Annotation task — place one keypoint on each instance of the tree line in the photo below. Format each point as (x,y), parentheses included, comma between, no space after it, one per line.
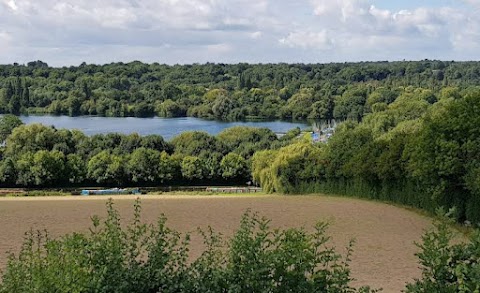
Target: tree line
(40,156)
(419,150)
(221,91)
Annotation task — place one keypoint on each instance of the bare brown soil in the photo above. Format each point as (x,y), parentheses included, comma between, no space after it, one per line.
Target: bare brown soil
(385,235)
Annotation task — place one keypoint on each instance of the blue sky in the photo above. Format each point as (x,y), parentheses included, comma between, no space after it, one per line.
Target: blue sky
(68,32)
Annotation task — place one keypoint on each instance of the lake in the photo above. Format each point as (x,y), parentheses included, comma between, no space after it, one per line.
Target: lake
(166,127)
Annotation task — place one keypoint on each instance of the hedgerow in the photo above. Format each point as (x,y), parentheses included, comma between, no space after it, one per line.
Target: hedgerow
(154,258)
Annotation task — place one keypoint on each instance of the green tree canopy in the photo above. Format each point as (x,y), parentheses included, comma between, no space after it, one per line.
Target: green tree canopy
(8,122)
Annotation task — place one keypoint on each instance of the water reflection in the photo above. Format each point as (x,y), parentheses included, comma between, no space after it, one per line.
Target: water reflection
(166,127)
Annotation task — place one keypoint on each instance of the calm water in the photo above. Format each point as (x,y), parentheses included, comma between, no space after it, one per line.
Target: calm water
(166,127)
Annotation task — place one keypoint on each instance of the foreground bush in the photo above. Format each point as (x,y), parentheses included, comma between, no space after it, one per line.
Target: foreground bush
(448,267)
(154,258)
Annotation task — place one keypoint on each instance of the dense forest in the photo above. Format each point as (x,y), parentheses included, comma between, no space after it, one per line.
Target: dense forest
(39,156)
(411,134)
(419,150)
(411,151)
(223,91)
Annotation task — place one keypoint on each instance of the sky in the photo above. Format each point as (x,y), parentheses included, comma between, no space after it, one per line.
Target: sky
(69,32)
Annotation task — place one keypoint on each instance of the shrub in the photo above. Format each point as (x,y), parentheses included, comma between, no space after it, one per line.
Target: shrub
(154,258)
(448,267)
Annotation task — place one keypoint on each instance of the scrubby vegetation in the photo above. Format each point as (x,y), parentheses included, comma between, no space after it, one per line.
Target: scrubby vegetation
(154,258)
(144,258)
(447,267)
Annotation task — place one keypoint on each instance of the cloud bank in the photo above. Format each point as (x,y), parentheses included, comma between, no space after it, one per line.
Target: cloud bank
(66,32)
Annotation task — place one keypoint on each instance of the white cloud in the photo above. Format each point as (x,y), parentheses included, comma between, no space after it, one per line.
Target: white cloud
(5,40)
(256,35)
(358,28)
(475,3)
(341,9)
(359,16)
(11,4)
(219,48)
(184,14)
(71,31)
(115,17)
(306,40)
(66,13)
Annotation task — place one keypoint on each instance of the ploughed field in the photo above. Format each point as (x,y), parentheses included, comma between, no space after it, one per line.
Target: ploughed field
(385,235)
